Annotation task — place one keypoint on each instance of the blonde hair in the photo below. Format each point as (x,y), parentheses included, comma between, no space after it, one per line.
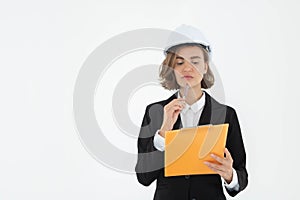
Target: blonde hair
(166,71)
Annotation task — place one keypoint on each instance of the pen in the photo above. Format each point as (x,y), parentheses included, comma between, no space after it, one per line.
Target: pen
(186,90)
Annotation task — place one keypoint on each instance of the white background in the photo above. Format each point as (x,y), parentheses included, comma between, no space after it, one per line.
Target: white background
(44,43)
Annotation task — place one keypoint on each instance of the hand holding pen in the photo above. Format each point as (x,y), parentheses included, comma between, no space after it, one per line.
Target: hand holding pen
(171,112)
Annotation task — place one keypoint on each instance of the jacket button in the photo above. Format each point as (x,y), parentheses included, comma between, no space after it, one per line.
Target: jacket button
(187,177)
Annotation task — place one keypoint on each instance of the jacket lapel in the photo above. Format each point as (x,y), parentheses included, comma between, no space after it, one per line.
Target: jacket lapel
(177,124)
(205,117)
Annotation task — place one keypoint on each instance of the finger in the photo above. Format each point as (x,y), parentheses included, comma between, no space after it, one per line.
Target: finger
(220,171)
(182,103)
(176,113)
(179,102)
(174,108)
(215,167)
(218,159)
(228,155)
(227,163)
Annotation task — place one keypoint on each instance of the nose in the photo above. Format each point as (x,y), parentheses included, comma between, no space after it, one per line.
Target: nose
(188,66)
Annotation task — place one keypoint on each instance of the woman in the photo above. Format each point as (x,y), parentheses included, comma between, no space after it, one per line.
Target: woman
(186,68)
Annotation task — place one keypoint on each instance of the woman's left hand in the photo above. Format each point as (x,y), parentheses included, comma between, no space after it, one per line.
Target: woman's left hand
(224,166)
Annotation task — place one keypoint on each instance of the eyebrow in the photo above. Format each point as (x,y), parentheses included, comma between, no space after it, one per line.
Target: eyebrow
(193,57)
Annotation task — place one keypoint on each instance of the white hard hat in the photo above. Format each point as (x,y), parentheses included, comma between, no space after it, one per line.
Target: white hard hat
(185,34)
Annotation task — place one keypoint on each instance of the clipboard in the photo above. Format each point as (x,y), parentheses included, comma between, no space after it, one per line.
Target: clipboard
(187,149)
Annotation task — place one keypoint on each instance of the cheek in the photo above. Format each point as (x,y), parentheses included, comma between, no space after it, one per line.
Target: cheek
(178,78)
(177,75)
(201,69)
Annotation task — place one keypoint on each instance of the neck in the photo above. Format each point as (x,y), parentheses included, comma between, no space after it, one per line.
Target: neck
(193,95)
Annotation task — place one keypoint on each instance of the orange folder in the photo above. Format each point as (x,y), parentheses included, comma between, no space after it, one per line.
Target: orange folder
(187,149)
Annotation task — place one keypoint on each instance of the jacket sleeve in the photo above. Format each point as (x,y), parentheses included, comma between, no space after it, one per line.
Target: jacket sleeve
(236,148)
(150,161)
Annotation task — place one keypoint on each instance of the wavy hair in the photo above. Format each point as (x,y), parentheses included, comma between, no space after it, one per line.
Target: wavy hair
(166,71)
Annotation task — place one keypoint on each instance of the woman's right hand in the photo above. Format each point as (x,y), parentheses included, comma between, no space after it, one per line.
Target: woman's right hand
(171,112)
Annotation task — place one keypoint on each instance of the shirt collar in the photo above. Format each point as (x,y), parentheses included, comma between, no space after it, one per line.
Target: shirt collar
(195,107)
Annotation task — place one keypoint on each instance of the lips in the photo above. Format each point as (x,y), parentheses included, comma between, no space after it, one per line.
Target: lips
(187,77)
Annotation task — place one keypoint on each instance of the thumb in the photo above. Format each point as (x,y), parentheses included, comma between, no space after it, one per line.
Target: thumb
(227,153)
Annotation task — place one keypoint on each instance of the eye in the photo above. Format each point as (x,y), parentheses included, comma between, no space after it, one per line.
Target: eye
(179,63)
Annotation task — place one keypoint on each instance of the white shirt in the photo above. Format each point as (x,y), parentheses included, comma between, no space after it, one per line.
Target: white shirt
(190,116)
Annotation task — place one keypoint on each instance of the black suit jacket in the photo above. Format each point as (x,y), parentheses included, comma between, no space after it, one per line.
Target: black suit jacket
(150,164)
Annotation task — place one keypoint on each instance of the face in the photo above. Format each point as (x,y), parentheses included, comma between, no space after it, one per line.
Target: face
(190,66)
